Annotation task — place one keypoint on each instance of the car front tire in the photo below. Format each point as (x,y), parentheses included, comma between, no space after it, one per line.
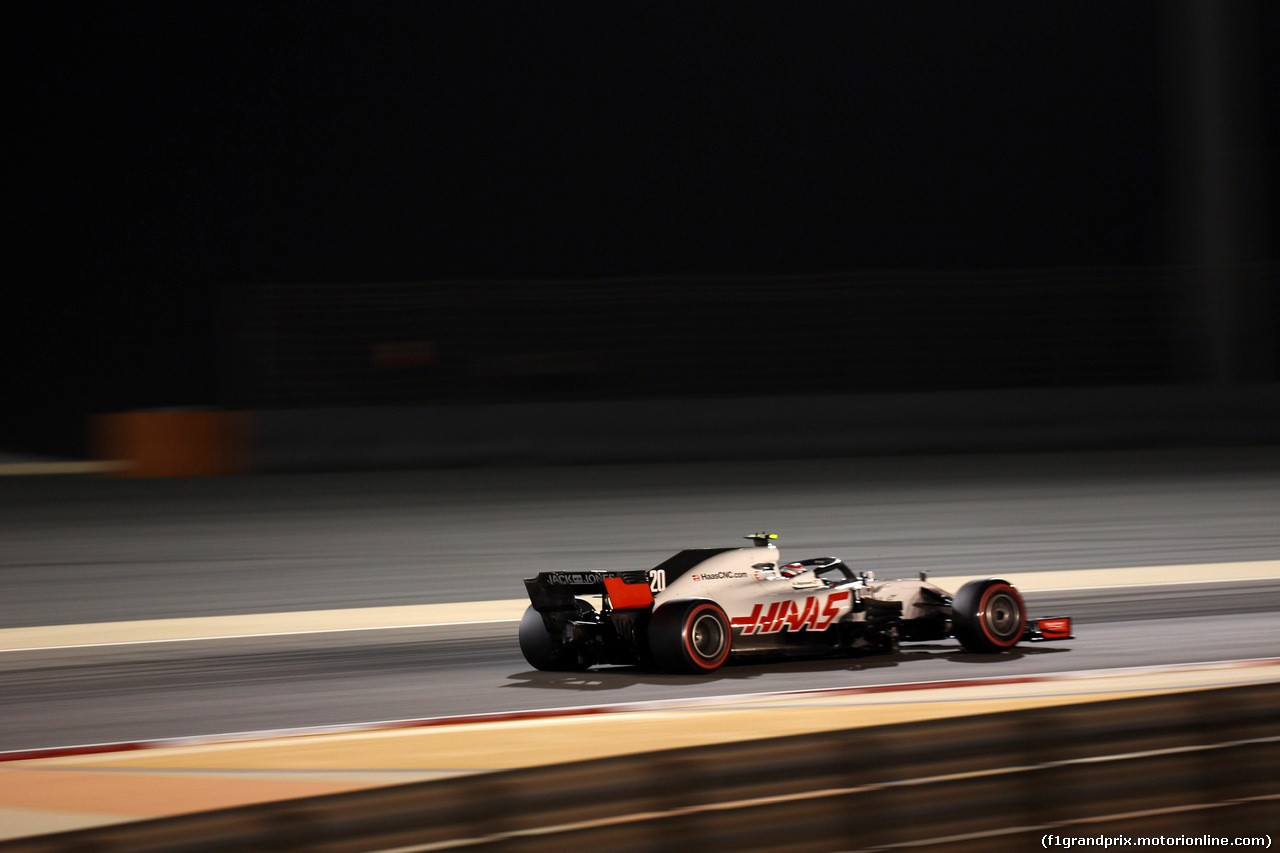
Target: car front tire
(988,616)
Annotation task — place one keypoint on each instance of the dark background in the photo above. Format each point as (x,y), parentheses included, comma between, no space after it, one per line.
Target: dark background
(171,154)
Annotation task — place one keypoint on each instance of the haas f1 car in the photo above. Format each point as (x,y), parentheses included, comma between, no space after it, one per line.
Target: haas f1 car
(705,606)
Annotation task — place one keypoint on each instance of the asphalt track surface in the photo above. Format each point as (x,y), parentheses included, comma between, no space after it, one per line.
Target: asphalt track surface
(75,550)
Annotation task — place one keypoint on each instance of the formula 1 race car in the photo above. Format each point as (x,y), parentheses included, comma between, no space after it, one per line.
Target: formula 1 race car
(705,606)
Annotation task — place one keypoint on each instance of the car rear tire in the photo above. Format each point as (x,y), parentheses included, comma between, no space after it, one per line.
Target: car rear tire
(542,650)
(689,637)
(988,616)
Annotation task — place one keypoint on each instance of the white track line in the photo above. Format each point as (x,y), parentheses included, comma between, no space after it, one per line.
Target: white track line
(36,469)
(1155,583)
(210,628)
(257,636)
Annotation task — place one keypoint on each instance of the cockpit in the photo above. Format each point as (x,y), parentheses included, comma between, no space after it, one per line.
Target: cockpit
(826,571)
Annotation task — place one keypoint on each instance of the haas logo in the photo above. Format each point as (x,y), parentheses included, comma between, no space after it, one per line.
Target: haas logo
(813,614)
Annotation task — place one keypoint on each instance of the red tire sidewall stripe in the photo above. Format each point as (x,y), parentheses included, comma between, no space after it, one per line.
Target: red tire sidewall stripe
(687,636)
(982,614)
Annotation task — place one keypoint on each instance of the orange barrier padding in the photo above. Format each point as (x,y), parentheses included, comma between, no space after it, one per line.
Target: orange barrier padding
(172,443)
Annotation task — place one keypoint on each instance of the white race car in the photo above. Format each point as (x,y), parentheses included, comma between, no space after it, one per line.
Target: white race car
(705,606)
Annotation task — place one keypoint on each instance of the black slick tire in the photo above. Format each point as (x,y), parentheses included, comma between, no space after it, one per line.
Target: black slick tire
(543,651)
(988,616)
(689,637)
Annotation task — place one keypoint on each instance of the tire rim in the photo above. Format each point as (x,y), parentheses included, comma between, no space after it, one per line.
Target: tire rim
(1002,615)
(706,636)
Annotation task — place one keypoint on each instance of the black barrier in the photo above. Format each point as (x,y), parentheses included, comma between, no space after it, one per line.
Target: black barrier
(424,374)
(1186,764)
(311,345)
(762,427)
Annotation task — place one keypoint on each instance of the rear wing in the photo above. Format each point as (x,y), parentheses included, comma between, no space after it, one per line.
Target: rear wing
(553,591)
